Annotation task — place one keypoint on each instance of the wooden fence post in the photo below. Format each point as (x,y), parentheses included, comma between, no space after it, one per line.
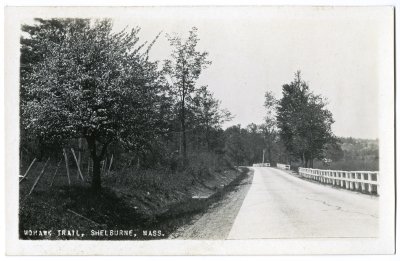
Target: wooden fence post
(111,161)
(80,149)
(103,168)
(77,164)
(66,165)
(27,171)
(55,173)
(20,160)
(40,175)
(88,168)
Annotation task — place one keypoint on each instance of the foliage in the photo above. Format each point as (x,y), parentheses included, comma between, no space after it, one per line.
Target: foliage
(269,127)
(352,154)
(207,113)
(91,83)
(235,145)
(183,69)
(304,121)
(80,79)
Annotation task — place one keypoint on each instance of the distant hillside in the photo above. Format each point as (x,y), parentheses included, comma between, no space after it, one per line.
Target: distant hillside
(353,154)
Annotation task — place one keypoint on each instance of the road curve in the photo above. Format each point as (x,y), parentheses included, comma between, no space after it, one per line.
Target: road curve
(280,205)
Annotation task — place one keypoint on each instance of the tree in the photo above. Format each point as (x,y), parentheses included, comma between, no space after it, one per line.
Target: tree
(288,114)
(269,127)
(334,152)
(235,146)
(92,83)
(304,122)
(316,129)
(208,114)
(33,50)
(254,143)
(184,68)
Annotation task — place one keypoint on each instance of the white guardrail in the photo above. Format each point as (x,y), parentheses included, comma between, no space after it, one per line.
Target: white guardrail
(283,166)
(365,181)
(261,165)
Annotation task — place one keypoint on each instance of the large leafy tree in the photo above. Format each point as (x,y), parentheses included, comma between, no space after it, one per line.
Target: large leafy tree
(33,50)
(269,126)
(254,143)
(235,145)
(304,122)
(208,114)
(34,42)
(183,69)
(82,80)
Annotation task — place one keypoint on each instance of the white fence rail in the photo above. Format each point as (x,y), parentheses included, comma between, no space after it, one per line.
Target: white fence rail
(261,165)
(365,181)
(283,166)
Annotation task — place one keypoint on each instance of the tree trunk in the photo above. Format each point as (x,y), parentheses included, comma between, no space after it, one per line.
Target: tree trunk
(183,125)
(208,139)
(183,130)
(96,178)
(79,151)
(184,137)
(270,154)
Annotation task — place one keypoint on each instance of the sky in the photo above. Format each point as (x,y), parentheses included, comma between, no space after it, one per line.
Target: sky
(258,49)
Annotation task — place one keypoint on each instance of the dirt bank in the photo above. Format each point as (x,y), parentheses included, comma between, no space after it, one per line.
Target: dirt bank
(146,213)
(215,222)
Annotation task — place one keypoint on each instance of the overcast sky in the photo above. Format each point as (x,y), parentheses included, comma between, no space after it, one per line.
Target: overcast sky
(254,50)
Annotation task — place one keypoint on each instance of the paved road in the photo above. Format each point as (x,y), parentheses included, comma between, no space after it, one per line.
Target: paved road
(280,205)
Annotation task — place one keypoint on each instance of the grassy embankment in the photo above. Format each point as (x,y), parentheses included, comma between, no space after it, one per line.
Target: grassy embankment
(132,199)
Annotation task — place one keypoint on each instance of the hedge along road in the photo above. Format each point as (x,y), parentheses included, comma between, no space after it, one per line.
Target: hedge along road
(280,205)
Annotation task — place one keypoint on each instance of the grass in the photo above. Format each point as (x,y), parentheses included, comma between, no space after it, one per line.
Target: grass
(346,165)
(131,199)
(350,165)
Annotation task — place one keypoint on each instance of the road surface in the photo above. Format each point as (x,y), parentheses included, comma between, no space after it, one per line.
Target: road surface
(281,205)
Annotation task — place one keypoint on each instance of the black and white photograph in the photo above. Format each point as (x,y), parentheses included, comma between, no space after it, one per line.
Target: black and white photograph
(200,130)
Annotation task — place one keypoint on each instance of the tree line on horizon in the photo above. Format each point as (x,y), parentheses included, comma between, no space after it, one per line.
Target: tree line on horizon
(81,81)
(266,142)
(296,127)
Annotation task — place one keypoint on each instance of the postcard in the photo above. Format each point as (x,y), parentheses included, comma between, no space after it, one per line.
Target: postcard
(200,130)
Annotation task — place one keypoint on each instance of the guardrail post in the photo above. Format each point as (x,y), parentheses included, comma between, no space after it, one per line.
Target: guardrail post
(366,182)
(343,181)
(370,188)
(363,186)
(337,181)
(369,185)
